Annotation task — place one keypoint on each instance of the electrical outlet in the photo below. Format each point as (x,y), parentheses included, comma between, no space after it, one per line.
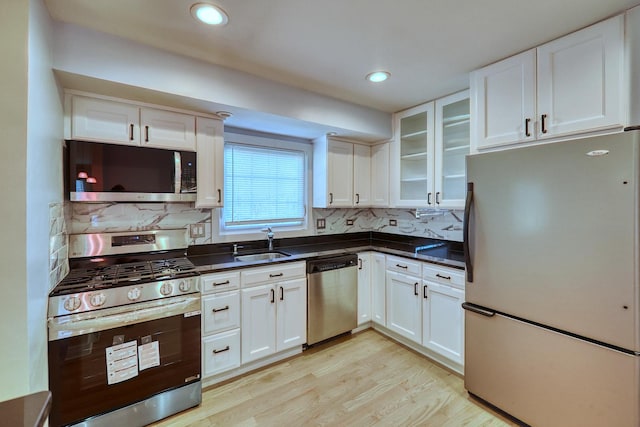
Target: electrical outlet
(393,222)
(196,230)
(349,222)
(321,224)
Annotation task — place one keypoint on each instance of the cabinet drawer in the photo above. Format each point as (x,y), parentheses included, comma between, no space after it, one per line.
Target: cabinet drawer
(273,274)
(220,352)
(404,265)
(444,275)
(217,282)
(220,312)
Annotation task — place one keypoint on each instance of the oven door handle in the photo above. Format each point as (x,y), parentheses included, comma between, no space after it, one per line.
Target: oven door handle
(109,318)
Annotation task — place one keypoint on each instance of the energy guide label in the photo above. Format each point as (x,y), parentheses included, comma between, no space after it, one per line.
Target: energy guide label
(122,362)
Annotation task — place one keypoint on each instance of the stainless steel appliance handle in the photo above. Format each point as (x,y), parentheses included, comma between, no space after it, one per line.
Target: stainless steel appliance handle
(478,310)
(109,318)
(177,178)
(465,232)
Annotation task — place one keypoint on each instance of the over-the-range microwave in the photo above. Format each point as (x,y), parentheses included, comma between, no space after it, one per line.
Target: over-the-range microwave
(96,172)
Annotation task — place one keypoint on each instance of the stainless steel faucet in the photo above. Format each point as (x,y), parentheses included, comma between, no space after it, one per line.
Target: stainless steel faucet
(235,248)
(270,238)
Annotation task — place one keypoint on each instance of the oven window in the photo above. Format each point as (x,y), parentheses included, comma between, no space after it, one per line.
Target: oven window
(78,367)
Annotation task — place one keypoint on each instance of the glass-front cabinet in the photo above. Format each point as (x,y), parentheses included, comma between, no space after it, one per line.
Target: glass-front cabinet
(452,145)
(413,152)
(428,156)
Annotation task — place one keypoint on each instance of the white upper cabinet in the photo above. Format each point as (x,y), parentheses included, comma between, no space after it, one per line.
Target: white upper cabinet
(210,155)
(340,173)
(361,175)
(101,120)
(380,175)
(412,157)
(167,129)
(570,85)
(429,149)
(451,146)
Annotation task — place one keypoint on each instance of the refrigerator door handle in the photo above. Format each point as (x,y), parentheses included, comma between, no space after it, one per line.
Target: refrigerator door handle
(465,232)
(479,310)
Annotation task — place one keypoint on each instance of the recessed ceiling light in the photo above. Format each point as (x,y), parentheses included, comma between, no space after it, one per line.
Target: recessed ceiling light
(224,114)
(378,76)
(209,14)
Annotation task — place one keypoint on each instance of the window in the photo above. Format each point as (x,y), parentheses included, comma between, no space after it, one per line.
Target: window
(264,186)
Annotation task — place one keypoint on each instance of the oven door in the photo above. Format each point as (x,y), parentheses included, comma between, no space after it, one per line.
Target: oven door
(109,359)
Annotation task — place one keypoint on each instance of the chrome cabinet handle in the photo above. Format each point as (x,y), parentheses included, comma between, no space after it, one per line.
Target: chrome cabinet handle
(220,351)
(526,126)
(544,123)
(217,310)
(443,277)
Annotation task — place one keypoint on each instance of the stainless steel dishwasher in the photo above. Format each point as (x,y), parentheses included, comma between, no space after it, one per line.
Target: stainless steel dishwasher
(332,297)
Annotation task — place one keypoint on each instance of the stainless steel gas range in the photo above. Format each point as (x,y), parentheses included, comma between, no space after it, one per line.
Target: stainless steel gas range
(124,331)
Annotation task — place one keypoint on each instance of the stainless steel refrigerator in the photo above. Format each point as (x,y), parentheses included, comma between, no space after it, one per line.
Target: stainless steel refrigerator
(552,296)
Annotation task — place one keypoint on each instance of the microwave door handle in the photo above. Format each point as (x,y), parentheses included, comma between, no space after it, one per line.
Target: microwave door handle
(177,180)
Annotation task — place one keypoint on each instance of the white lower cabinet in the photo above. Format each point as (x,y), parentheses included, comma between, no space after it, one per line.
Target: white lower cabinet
(378,297)
(274,314)
(404,305)
(443,320)
(221,352)
(364,287)
(220,323)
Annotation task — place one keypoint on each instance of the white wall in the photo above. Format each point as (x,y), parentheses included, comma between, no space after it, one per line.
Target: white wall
(14,334)
(109,58)
(44,183)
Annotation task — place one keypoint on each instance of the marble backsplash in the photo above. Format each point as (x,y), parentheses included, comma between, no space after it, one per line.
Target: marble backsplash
(58,243)
(118,217)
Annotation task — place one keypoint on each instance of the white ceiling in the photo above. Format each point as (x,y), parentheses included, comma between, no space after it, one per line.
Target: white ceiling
(328,46)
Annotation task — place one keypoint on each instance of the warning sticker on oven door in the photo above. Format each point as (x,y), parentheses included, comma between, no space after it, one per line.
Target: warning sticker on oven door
(149,355)
(122,362)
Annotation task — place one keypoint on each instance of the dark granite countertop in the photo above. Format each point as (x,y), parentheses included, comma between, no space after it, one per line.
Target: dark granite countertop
(218,257)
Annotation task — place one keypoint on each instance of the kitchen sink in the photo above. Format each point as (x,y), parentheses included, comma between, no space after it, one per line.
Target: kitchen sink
(263,256)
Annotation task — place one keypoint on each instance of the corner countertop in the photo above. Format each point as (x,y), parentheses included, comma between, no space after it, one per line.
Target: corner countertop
(212,258)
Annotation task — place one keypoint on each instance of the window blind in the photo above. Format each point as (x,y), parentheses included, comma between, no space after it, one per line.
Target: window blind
(263,186)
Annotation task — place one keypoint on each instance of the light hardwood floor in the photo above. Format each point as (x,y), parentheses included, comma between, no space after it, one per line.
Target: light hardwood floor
(362,380)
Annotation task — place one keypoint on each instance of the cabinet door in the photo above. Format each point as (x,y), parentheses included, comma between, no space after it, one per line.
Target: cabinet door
(361,175)
(580,80)
(378,277)
(291,318)
(220,312)
(104,121)
(220,352)
(443,320)
(413,157)
(404,305)
(380,175)
(364,287)
(167,129)
(258,322)
(452,145)
(340,173)
(210,168)
(503,102)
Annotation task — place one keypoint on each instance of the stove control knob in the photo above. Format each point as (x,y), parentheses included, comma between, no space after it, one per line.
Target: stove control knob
(72,304)
(166,289)
(134,294)
(185,285)
(98,299)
